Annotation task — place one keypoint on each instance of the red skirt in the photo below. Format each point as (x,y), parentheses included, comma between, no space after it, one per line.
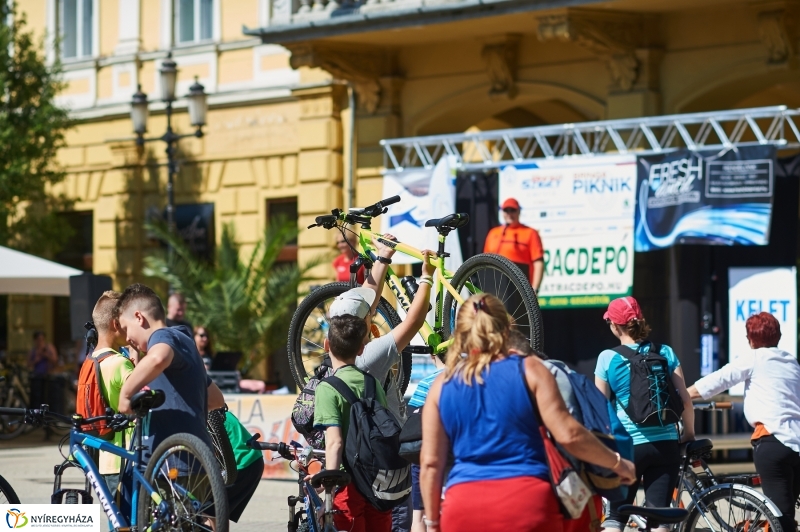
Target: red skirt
(524,504)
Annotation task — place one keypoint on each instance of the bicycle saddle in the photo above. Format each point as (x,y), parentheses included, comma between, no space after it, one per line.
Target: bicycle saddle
(144,401)
(330,478)
(449,222)
(697,448)
(664,516)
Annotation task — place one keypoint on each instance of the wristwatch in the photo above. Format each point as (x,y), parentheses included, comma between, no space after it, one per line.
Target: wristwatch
(384,260)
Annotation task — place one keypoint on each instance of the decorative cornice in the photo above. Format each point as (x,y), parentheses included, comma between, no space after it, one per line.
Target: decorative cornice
(777,22)
(500,57)
(361,68)
(612,37)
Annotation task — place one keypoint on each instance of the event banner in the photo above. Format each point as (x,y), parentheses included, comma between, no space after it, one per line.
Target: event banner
(583,210)
(754,290)
(705,197)
(424,194)
(268,415)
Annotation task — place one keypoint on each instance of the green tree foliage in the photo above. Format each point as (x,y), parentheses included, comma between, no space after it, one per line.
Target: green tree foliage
(246,306)
(32,130)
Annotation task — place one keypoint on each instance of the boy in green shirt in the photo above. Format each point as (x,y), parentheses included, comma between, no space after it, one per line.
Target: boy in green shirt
(114,370)
(249,467)
(346,338)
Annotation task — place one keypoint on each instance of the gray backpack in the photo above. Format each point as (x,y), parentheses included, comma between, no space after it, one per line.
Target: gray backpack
(303,409)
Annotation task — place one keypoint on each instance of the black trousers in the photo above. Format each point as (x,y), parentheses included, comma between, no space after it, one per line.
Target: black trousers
(779,467)
(657,465)
(240,492)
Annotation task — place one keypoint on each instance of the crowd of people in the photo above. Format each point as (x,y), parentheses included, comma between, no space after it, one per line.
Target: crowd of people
(482,410)
(485,407)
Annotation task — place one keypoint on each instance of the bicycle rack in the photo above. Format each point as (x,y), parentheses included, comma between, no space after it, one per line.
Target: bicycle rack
(69,495)
(724,130)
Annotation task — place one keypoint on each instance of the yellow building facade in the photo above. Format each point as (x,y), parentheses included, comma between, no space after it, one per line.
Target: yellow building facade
(278,74)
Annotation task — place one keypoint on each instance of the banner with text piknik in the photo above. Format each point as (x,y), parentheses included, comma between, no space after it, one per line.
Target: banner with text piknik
(705,197)
(583,211)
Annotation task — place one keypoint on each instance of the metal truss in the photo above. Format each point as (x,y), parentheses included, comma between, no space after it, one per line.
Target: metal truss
(776,126)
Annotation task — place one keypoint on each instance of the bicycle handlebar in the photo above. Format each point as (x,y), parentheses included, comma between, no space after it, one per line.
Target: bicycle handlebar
(713,405)
(35,416)
(356,215)
(284,450)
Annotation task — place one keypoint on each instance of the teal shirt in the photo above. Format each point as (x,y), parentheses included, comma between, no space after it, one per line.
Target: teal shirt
(614,369)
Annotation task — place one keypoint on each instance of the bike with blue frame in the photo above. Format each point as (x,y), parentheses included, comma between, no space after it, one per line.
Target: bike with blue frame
(179,488)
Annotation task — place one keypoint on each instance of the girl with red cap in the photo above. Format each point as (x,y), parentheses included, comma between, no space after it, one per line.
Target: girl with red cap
(656,451)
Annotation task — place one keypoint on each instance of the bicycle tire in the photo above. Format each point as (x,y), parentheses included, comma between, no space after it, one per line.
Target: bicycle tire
(223,450)
(7,493)
(206,472)
(315,307)
(712,502)
(9,431)
(475,270)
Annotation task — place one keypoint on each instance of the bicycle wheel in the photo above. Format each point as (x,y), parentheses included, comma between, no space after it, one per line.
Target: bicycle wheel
(309,328)
(496,275)
(223,450)
(7,494)
(11,426)
(186,474)
(731,510)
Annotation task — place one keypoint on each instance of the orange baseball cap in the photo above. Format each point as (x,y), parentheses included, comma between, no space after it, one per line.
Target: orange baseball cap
(510,203)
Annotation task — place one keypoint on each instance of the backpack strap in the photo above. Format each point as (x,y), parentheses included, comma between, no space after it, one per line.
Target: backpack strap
(96,362)
(626,352)
(343,389)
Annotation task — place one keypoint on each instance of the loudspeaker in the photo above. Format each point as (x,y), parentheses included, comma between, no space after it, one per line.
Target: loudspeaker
(84,291)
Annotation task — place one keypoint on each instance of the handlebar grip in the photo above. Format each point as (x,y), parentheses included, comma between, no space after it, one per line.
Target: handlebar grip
(12,411)
(328,218)
(390,201)
(724,405)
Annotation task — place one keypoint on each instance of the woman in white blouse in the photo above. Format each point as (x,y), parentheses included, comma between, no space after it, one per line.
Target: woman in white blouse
(772,405)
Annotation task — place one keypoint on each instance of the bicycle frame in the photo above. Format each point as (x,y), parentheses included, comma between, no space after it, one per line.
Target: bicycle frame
(87,465)
(430,333)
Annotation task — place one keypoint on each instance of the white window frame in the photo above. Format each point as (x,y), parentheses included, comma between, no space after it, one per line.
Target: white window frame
(56,8)
(176,25)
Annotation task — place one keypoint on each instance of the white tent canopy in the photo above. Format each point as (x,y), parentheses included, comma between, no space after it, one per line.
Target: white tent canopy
(21,273)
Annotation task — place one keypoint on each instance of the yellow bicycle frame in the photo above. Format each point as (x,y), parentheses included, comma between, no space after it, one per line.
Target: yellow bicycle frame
(442,282)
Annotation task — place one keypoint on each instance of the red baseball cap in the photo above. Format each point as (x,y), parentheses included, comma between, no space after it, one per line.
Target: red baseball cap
(622,310)
(510,203)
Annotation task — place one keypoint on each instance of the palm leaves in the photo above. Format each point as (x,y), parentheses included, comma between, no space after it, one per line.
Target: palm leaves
(246,305)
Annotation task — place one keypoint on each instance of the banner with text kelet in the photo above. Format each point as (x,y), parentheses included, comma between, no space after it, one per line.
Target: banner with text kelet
(268,415)
(583,211)
(705,197)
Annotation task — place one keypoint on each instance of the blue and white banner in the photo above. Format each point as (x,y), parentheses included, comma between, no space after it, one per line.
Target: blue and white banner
(424,194)
(705,197)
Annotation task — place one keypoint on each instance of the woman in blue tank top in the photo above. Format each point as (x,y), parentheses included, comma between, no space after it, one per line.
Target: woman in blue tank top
(484,405)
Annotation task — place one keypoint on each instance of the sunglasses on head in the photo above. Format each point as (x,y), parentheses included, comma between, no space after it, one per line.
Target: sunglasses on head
(202,335)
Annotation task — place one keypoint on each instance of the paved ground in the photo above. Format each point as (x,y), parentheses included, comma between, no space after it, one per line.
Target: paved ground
(27,463)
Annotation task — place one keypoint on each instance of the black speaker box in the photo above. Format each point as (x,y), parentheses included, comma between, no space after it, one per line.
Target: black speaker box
(84,291)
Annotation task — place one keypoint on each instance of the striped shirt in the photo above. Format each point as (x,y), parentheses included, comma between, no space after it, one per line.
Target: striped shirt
(421,393)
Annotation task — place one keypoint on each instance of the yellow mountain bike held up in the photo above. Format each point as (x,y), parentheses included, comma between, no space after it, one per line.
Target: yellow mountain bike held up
(484,273)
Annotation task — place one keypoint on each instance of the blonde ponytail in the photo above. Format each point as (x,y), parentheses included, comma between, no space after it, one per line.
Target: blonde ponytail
(479,338)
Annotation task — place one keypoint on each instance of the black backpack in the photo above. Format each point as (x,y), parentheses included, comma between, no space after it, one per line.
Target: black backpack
(372,447)
(654,401)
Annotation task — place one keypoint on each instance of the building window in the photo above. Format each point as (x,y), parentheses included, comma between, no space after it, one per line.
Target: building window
(76,27)
(78,250)
(279,210)
(194,20)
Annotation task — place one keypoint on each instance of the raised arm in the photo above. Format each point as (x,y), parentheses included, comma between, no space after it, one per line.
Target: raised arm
(377,274)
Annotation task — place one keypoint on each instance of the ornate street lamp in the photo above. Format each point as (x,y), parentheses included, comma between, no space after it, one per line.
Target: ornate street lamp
(198,108)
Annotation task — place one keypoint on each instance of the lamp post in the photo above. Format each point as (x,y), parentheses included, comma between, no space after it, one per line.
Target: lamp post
(198,106)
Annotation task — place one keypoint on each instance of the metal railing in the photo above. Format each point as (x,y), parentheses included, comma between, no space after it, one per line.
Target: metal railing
(642,136)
